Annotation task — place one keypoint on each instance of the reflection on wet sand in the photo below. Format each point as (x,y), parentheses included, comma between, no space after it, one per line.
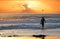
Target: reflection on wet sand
(52,37)
(30,37)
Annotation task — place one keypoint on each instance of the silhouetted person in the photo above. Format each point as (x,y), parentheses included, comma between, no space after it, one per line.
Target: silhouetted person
(42,22)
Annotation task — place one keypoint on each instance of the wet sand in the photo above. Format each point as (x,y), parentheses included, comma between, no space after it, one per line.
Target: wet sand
(30,37)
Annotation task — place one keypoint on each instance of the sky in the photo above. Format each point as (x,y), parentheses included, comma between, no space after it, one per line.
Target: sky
(30,6)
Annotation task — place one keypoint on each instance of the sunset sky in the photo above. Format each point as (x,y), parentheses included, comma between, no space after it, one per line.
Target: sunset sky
(30,6)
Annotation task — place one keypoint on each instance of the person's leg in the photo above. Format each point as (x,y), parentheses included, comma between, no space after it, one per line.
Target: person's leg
(42,26)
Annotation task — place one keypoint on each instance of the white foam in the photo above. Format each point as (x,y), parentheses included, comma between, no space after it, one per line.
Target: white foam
(29,32)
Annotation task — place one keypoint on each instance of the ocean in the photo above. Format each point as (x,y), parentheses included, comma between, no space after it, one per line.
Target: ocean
(30,25)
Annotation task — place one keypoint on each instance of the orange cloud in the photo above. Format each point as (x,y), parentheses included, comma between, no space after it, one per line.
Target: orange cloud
(32,6)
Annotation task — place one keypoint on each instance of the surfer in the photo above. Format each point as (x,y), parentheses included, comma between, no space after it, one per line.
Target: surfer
(42,22)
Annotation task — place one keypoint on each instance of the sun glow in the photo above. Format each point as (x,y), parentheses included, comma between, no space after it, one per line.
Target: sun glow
(31,6)
(37,6)
(29,3)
